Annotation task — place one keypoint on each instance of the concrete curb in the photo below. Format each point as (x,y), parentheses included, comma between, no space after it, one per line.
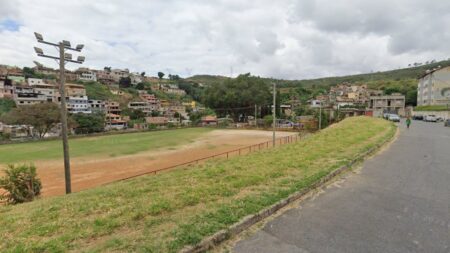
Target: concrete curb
(219,237)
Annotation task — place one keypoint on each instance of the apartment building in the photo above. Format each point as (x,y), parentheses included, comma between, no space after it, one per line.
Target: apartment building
(104,77)
(394,103)
(434,87)
(143,106)
(85,74)
(78,104)
(26,95)
(97,105)
(112,107)
(47,90)
(116,74)
(114,122)
(35,81)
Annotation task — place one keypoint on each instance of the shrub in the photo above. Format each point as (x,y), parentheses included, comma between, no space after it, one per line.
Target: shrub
(21,184)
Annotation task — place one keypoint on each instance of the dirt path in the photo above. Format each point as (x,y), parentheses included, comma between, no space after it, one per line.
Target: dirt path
(88,172)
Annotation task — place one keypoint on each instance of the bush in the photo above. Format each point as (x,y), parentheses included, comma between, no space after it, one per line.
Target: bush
(21,184)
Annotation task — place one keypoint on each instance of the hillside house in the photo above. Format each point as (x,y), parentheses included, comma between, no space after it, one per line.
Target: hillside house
(114,122)
(159,121)
(209,121)
(112,107)
(97,105)
(26,95)
(85,74)
(394,103)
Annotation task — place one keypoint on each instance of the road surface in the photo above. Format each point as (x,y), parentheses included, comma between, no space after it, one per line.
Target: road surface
(399,202)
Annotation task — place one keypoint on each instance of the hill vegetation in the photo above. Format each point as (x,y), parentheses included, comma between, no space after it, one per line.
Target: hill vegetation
(165,212)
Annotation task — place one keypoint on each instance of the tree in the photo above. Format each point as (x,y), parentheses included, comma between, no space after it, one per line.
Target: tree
(42,117)
(125,82)
(140,86)
(143,74)
(155,113)
(137,114)
(411,97)
(107,69)
(238,96)
(6,105)
(89,123)
(160,75)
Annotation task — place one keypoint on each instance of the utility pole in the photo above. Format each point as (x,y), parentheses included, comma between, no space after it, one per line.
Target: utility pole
(320,115)
(62,59)
(274,112)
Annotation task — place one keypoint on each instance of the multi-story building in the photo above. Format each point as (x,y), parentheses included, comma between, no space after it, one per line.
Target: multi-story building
(105,77)
(434,87)
(6,88)
(394,103)
(112,107)
(136,78)
(119,73)
(34,81)
(85,74)
(97,105)
(143,106)
(114,122)
(26,95)
(48,90)
(78,104)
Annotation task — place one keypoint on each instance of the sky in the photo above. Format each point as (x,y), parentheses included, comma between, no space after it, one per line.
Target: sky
(287,39)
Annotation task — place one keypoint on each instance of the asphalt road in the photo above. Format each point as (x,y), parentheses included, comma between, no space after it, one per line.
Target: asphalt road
(399,202)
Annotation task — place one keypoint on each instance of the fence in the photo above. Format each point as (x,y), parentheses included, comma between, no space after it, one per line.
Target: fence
(226,155)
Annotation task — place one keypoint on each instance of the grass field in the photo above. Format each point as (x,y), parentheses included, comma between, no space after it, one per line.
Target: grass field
(165,212)
(101,146)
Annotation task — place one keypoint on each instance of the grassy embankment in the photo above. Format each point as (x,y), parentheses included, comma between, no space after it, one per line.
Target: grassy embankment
(165,212)
(427,108)
(101,146)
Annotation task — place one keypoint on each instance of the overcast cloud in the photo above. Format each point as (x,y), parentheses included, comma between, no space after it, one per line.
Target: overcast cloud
(283,39)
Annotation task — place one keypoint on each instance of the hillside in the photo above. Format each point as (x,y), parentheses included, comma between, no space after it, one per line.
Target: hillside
(165,212)
(393,75)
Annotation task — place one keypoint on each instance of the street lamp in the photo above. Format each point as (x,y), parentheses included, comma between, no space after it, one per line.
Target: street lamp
(62,60)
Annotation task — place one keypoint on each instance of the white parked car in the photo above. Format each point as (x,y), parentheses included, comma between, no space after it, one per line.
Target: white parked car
(394,117)
(430,118)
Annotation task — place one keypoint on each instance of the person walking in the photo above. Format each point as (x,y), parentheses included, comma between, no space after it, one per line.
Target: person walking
(408,122)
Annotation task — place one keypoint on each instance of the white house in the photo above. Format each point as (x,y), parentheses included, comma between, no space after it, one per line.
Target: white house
(35,81)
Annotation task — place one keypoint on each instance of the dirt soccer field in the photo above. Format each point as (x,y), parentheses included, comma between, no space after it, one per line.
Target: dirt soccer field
(98,167)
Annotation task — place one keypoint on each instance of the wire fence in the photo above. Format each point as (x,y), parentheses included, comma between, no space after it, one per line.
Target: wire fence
(226,155)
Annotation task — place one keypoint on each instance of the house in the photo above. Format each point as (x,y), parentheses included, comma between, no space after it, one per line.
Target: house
(136,78)
(143,106)
(34,81)
(6,89)
(97,105)
(78,104)
(157,120)
(114,122)
(85,74)
(26,95)
(17,131)
(394,103)
(48,90)
(105,77)
(209,121)
(112,107)
(434,87)
(116,74)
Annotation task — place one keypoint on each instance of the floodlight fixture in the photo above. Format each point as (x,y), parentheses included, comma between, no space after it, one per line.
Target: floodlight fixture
(66,43)
(79,47)
(38,50)
(38,36)
(81,58)
(67,56)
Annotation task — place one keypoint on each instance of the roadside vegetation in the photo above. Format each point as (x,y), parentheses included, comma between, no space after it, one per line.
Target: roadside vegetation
(432,108)
(100,146)
(165,212)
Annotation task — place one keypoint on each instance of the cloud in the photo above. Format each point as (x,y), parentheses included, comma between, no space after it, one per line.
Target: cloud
(292,39)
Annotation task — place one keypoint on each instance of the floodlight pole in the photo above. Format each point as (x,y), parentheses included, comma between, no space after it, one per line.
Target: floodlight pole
(62,46)
(64,131)
(274,112)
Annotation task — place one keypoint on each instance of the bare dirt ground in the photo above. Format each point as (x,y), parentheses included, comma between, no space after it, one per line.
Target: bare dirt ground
(88,172)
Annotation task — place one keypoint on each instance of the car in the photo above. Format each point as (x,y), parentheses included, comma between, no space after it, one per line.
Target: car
(417,117)
(447,123)
(430,118)
(386,115)
(394,118)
